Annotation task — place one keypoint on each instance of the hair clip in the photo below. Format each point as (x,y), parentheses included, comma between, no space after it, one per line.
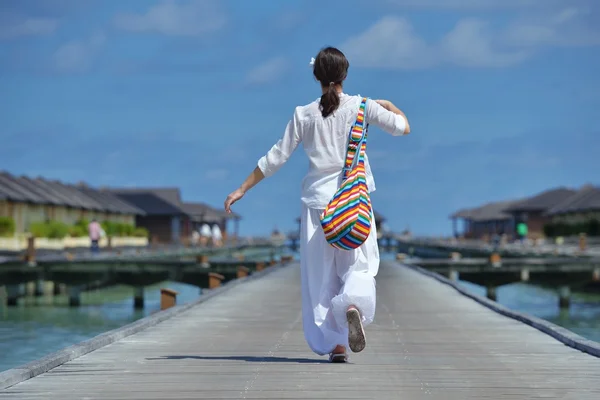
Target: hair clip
(312,61)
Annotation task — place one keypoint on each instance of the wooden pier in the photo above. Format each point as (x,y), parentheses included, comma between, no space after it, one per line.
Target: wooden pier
(477,248)
(428,341)
(74,275)
(563,274)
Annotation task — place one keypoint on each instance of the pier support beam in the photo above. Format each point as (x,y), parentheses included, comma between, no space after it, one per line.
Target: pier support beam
(39,288)
(74,296)
(55,288)
(453,275)
(30,251)
(564,294)
(490,292)
(138,297)
(13,292)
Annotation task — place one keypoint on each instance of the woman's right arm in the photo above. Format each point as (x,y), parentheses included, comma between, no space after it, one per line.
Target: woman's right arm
(385,115)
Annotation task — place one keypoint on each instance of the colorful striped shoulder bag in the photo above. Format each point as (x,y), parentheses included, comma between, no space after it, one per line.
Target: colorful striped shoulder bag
(346,220)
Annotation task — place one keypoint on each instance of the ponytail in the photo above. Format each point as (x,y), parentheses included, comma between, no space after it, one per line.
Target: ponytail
(330,101)
(330,69)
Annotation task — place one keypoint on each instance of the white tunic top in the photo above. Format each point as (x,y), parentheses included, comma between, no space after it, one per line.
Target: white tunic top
(325,142)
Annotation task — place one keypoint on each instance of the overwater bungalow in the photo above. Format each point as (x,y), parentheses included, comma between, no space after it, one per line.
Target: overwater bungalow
(171,220)
(27,200)
(550,206)
(485,220)
(533,210)
(582,206)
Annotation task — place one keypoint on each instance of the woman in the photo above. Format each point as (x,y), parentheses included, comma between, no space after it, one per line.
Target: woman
(338,286)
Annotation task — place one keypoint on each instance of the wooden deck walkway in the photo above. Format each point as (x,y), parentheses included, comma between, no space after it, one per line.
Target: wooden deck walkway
(428,342)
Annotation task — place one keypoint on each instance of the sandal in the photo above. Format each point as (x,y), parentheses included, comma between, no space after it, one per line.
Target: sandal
(356,332)
(338,358)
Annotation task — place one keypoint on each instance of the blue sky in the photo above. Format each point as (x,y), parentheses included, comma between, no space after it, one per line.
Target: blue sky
(501,94)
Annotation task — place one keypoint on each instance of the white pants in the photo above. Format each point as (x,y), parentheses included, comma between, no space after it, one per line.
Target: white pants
(332,280)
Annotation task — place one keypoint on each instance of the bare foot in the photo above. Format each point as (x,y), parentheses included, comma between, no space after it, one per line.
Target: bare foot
(339,349)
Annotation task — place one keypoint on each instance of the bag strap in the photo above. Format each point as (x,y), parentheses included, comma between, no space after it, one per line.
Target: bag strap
(357,140)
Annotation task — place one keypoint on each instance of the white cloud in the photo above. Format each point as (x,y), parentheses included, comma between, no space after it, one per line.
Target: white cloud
(471,44)
(12,26)
(390,43)
(77,55)
(170,18)
(270,71)
(393,43)
(567,27)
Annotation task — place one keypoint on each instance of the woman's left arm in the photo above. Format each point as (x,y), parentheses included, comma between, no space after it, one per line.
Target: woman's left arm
(270,162)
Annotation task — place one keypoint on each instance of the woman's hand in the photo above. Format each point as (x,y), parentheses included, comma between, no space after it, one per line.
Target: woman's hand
(232,198)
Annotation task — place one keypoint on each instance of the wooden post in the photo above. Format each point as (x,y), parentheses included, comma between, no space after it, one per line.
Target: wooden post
(495,260)
(582,241)
(491,293)
(109,244)
(260,266)
(39,287)
(74,296)
(242,271)
(30,254)
(203,260)
(168,298)
(138,297)
(214,280)
(13,292)
(453,275)
(564,297)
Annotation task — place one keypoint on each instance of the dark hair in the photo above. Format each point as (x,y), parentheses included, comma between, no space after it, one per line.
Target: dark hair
(331,68)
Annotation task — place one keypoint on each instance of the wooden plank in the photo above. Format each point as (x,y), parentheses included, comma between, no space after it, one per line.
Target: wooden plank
(427,342)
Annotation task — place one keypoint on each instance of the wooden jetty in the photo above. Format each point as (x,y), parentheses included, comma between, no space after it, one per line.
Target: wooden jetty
(136,270)
(428,341)
(422,247)
(564,274)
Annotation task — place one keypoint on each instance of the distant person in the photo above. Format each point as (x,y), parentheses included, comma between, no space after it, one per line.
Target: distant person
(195,238)
(217,236)
(522,232)
(338,286)
(205,234)
(95,233)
